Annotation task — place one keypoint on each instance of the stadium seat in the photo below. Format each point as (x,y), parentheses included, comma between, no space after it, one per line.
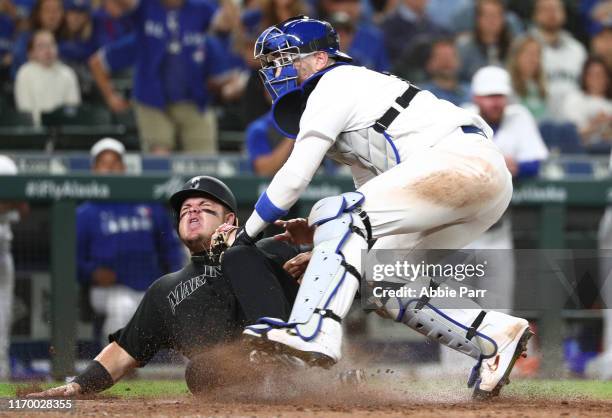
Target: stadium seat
(127,120)
(562,138)
(81,115)
(231,141)
(600,148)
(11,117)
(19,138)
(17,131)
(578,168)
(78,128)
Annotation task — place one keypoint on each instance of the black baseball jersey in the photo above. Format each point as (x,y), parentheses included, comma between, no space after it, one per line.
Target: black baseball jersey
(187,311)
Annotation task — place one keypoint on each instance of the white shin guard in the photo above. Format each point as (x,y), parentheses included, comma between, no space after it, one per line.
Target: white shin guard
(322,325)
(331,279)
(462,329)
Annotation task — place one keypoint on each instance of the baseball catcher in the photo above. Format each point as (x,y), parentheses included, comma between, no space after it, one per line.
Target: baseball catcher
(427,176)
(206,303)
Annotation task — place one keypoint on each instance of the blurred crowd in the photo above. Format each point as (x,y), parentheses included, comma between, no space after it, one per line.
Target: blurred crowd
(185,70)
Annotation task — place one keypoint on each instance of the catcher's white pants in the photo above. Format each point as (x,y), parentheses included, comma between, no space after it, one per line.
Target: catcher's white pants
(7,284)
(118,303)
(440,197)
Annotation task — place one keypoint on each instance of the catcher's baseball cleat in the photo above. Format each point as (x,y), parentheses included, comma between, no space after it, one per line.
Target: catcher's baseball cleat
(494,372)
(281,343)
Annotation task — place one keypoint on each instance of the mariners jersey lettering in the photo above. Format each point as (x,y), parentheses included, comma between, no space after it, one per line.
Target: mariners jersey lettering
(187,311)
(185,288)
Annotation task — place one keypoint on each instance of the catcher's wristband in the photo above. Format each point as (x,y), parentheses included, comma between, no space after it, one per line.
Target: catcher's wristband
(94,379)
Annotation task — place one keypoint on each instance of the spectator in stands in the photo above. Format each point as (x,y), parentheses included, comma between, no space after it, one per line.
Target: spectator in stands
(590,108)
(405,27)
(76,36)
(488,43)
(255,101)
(362,41)
(121,55)
(443,73)
(77,41)
(44,83)
(595,14)
(9,212)
(562,54)
(601,44)
(122,247)
(23,8)
(515,130)
(170,80)
(465,18)
(113,57)
(7,32)
(527,74)
(266,147)
(46,15)
(277,11)
(444,12)
(109,25)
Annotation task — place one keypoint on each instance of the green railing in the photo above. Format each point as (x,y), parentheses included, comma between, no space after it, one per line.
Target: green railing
(551,198)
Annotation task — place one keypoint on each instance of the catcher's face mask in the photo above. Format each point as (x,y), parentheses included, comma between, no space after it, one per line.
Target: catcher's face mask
(276,55)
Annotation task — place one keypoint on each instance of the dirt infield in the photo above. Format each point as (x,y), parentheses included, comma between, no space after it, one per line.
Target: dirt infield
(389,396)
(234,390)
(191,407)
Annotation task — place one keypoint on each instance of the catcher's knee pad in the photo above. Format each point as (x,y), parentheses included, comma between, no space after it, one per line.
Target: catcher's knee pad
(330,282)
(459,329)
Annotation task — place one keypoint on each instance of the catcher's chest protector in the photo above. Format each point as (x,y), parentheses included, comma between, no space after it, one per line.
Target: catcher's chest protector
(366,148)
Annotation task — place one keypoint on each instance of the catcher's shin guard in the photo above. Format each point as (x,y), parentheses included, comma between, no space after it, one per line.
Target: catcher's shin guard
(494,339)
(314,332)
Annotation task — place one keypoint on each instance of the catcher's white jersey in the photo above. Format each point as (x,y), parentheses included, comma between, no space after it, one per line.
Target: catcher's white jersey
(346,102)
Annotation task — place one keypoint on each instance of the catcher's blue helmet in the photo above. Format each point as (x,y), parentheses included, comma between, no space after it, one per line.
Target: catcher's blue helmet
(278,46)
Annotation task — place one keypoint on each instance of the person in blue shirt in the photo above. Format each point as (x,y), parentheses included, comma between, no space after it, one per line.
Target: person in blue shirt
(362,41)
(109,25)
(121,54)
(267,149)
(115,56)
(45,15)
(442,68)
(76,37)
(405,27)
(7,31)
(171,70)
(122,246)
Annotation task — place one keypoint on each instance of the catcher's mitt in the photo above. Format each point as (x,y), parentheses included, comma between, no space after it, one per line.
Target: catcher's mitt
(221,240)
